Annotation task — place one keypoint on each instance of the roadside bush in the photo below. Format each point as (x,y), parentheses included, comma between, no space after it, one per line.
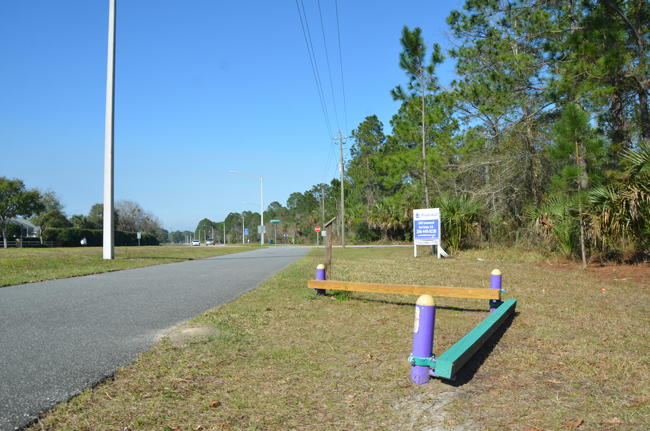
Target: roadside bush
(71,237)
(364,234)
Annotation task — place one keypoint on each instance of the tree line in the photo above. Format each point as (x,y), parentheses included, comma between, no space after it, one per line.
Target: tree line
(543,140)
(45,210)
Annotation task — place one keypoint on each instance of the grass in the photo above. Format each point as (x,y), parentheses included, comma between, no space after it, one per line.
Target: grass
(28,265)
(280,357)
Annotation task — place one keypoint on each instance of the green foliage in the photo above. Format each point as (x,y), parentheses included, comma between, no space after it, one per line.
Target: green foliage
(458,213)
(577,149)
(81,221)
(16,200)
(364,234)
(620,210)
(421,90)
(557,220)
(71,237)
(50,214)
(13,230)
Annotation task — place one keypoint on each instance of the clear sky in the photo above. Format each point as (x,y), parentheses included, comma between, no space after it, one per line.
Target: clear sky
(202,87)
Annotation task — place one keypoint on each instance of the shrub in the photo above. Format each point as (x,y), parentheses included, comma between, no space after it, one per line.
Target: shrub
(71,237)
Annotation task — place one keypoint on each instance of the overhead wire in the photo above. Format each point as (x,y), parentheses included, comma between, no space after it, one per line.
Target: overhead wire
(328,64)
(314,66)
(338,32)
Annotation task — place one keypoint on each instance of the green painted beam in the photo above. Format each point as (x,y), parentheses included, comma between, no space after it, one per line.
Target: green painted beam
(453,359)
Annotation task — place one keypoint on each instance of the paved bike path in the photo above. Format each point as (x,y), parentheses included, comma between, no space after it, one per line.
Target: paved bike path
(59,337)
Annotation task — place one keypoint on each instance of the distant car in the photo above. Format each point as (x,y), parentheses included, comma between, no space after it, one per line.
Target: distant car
(209,241)
(196,242)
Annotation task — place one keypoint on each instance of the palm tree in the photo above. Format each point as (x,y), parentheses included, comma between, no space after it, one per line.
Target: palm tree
(385,216)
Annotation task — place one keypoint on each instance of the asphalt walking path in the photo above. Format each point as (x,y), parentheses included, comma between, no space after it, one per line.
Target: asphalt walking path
(60,337)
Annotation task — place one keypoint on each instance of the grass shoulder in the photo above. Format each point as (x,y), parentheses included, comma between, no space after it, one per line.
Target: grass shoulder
(29,265)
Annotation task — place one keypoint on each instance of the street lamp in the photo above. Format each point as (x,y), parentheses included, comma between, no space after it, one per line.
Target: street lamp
(261,202)
(108,248)
(243,218)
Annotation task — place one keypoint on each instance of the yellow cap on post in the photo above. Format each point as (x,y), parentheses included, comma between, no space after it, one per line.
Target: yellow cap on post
(426,300)
(320,266)
(496,272)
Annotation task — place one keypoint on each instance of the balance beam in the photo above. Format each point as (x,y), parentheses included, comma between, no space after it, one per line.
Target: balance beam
(449,292)
(453,359)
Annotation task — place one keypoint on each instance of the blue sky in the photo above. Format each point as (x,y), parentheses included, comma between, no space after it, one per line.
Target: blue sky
(202,87)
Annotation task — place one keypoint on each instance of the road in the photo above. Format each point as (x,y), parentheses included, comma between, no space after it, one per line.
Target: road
(59,337)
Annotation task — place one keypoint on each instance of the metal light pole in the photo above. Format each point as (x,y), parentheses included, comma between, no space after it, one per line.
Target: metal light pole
(262,201)
(109,237)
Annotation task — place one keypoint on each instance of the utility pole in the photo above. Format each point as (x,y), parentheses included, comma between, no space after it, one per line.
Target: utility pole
(342,169)
(322,201)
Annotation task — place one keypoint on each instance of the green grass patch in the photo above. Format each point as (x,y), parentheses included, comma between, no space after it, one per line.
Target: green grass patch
(279,357)
(28,265)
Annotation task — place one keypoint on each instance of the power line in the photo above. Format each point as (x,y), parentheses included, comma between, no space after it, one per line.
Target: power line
(338,32)
(328,63)
(314,66)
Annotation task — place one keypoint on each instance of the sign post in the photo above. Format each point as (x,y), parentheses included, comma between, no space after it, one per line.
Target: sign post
(139,236)
(328,250)
(275,231)
(426,228)
(317,229)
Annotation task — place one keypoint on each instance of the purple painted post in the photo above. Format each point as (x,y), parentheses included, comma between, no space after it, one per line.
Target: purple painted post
(425,318)
(320,276)
(495,283)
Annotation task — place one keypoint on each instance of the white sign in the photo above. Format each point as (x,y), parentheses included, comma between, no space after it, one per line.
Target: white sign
(323,232)
(426,226)
(139,235)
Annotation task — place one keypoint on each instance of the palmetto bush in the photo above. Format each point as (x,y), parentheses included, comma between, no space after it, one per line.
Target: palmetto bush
(388,217)
(457,213)
(557,221)
(620,211)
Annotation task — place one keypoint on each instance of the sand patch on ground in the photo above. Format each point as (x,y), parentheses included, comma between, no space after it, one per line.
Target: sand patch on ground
(185,334)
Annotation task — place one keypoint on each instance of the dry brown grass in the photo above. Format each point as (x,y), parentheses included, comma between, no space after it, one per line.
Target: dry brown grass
(281,358)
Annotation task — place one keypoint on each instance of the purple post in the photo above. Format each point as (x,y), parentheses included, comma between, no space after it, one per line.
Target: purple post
(425,317)
(320,276)
(495,283)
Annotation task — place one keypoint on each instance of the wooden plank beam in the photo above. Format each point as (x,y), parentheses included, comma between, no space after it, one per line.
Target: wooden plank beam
(448,364)
(449,292)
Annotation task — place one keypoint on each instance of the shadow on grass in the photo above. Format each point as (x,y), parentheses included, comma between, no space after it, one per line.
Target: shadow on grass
(338,296)
(467,372)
